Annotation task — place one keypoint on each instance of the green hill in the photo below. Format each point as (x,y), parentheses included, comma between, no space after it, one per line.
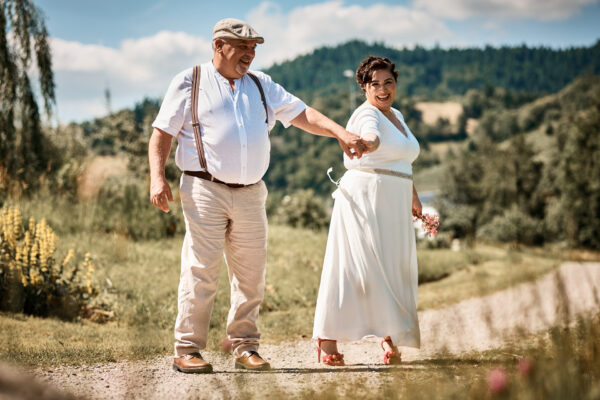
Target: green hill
(487,81)
(530,174)
(443,72)
(517,174)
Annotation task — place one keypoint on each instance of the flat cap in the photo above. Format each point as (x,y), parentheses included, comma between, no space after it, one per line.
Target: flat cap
(231,28)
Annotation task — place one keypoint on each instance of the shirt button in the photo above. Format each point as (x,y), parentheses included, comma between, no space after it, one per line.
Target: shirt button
(241,124)
(244,146)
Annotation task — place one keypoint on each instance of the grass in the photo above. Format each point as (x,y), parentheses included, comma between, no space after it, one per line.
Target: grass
(429,179)
(563,363)
(438,264)
(484,270)
(139,283)
(36,342)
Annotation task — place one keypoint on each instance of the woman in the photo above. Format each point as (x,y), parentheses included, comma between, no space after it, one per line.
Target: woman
(369,280)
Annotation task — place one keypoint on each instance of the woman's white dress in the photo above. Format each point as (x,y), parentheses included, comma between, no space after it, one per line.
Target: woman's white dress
(369,279)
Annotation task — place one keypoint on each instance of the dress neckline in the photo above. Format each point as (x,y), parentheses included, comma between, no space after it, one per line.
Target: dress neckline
(393,110)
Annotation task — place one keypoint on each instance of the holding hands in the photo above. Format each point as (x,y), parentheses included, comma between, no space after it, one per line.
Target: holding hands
(355,146)
(370,142)
(351,144)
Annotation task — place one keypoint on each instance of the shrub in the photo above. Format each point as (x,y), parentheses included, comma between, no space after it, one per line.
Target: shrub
(123,206)
(31,280)
(460,221)
(513,226)
(442,240)
(302,210)
(440,263)
(579,177)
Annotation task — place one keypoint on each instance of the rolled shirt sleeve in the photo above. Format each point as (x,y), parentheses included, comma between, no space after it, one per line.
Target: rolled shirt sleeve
(282,105)
(234,135)
(174,107)
(367,121)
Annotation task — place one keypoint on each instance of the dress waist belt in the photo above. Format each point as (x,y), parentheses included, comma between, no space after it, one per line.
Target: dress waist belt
(386,172)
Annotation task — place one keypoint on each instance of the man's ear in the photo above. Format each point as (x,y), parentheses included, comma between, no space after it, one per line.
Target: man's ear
(219,44)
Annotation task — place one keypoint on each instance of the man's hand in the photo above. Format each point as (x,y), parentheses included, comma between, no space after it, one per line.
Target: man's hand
(158,153)
(352,145)
(316,123)
(370,142)
(160,192)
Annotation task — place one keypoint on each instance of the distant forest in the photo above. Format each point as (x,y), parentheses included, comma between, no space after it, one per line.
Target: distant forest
(438,72)
(486,81)
(527,173)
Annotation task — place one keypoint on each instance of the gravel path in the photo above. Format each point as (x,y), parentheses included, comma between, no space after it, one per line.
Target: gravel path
(474,324)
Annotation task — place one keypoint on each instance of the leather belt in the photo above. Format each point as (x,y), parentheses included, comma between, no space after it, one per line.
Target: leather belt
(206,176)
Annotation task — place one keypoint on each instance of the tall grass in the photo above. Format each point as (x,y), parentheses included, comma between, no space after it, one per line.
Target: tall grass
(563,363)
(137,281)
(122,206)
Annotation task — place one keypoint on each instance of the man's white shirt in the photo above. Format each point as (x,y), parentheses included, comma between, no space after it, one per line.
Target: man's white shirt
(235,135)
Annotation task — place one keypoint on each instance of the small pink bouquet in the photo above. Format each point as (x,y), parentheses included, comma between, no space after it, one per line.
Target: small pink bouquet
(430,223)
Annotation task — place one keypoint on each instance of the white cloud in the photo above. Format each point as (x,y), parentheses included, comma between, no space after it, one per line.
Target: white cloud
(138,68)
(138,60)
(543,10)
(304,28)
(144,66)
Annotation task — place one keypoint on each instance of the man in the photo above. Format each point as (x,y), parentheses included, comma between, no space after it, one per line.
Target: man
(224,202)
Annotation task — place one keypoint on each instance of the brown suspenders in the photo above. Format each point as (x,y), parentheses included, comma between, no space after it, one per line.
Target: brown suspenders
(196,122)
(262,95)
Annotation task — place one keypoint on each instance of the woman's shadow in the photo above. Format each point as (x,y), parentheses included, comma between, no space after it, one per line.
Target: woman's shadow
(362,367)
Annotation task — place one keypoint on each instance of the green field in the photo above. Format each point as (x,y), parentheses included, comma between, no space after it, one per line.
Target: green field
(138,283)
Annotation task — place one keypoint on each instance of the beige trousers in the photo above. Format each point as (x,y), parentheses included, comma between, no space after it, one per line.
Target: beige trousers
(220,219)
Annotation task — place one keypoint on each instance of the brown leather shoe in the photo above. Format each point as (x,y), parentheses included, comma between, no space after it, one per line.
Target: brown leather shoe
(253,361)
(192,364)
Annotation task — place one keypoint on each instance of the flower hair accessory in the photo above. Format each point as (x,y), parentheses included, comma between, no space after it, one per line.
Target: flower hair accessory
(430,223)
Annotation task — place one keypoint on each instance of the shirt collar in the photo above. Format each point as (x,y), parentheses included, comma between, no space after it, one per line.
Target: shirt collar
(220,77)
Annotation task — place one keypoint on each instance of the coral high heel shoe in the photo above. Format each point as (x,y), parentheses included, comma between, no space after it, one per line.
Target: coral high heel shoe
(390,357)
(336,359)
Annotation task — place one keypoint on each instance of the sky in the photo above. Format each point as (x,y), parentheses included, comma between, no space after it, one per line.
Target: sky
(134,48)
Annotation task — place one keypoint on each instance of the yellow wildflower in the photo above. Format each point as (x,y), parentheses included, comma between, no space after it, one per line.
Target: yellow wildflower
(68,258)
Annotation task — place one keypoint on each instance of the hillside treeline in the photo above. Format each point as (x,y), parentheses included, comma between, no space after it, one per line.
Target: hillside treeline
(437,72)
(530,175)
(514,166)
(527,174)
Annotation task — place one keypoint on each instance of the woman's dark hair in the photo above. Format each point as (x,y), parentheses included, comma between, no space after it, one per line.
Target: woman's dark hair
(364,73)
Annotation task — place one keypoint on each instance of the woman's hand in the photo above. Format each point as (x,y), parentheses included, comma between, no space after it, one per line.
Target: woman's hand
(352,145)
(417,207)
(370,141)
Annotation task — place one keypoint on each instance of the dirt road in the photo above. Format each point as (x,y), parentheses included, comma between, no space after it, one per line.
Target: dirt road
(474,324)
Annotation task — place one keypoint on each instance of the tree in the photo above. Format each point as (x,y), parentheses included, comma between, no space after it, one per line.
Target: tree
(23,40)
(579,177)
